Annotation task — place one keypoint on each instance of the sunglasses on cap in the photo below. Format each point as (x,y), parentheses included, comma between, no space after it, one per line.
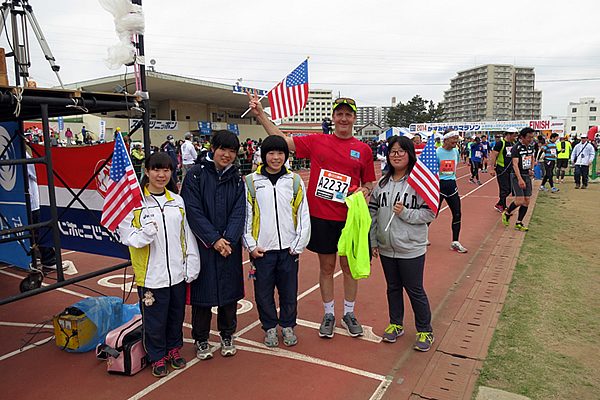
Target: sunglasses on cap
(343,100)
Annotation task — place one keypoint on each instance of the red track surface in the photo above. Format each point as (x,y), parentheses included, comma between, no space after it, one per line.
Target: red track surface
(338,368)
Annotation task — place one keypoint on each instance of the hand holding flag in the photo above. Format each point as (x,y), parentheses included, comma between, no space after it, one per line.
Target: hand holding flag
(123,193)
(424,177)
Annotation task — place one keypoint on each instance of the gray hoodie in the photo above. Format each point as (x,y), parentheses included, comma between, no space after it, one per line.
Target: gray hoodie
(407,236)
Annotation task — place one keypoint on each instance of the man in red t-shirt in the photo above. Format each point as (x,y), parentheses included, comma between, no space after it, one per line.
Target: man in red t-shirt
(418,142)
(338,162)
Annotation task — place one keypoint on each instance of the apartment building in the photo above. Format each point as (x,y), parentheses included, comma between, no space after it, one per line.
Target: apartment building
(318,106)
(374,114)
(493,92)
(581,116)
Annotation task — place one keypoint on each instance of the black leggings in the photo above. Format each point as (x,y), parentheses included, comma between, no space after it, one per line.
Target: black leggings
(453,202)
(475,167)
(549,168)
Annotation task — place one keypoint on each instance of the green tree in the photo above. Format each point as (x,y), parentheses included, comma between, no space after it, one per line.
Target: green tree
(416,110)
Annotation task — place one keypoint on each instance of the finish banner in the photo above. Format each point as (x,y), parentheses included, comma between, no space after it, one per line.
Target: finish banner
(79,230)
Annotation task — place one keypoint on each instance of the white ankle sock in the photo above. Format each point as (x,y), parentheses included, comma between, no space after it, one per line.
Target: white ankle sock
(348,306)
(329,309)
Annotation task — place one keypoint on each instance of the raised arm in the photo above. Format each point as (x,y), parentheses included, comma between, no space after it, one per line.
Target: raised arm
(269,126)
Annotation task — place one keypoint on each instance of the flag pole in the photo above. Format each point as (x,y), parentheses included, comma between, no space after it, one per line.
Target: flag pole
(265,95)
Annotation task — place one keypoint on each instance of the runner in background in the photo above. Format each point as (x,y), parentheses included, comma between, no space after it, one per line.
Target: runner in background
(563,149)
(338,162)
(523,163)
(486,151)
(419,145)
(477,155)
(448,158)
(501,163)
(549,162)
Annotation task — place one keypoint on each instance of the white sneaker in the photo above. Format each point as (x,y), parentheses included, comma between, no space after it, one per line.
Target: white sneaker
(543,189)
(457,247)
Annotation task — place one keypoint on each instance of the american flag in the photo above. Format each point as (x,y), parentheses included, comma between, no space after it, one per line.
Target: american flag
(424,177)
(123,193)
(290,95)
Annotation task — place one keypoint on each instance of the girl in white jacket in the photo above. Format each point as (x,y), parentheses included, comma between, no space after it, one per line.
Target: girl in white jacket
(277,230)
(164,256)
(403,246)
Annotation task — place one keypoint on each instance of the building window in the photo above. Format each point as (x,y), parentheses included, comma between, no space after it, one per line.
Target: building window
(592,117)
(573,128)
(573,119)
(574,109)
(593,109)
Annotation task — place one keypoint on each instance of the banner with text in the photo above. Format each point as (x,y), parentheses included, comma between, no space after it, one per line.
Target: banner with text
(79,230)
(557,126)
(13,206)
(157,125)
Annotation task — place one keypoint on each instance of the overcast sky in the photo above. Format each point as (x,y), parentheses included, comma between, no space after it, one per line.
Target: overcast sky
(370,51)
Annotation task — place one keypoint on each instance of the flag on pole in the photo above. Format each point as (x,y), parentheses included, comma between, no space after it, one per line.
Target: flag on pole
(290,95)
(424,177)
(123,193)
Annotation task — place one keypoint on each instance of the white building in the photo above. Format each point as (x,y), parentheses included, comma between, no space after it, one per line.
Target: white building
(493,92)
(368,114)
(318,106)
(582,115)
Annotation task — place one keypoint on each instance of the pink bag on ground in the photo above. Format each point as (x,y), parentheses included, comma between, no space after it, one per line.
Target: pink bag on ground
(124,349)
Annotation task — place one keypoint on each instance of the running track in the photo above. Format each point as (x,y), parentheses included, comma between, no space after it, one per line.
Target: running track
(338,368)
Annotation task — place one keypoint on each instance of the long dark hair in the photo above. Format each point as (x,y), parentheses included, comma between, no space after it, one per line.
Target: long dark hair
(159,160)
(405,144)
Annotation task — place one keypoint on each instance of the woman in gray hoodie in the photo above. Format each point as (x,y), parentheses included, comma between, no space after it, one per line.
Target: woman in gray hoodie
(403,245)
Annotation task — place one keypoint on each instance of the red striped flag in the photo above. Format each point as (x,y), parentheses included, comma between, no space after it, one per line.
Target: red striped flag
(123,193)
(290,95)
(424,177)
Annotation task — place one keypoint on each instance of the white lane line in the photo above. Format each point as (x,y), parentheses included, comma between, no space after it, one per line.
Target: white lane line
(381,389)
(31,346)
(46,284)
(25,325)
(368,334)
(260,348)
(477,188)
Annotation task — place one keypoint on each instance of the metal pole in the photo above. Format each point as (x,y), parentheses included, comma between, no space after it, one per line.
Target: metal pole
(51,193)
(145,99)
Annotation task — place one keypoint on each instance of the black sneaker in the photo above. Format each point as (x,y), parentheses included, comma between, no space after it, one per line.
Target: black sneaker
(159,368)
(327,326)
(351,324)
(177,361)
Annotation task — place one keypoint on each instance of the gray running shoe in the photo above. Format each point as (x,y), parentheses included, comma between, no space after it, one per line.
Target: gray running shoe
(203,350)
(271,338)
(351,324)
(227,347)
(289,338)
(327,326)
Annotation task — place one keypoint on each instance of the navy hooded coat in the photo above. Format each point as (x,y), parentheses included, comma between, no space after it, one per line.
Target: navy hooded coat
(216,209)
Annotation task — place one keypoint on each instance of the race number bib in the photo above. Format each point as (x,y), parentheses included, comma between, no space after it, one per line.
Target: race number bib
(477,154)
(332,186)
(508,151)
(553,152)
(527,162)
(447,167)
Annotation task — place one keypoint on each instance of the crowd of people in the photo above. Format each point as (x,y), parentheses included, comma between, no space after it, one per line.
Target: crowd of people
(189,242)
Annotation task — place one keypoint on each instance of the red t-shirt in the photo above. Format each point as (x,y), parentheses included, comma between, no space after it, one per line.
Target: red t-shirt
(349,157)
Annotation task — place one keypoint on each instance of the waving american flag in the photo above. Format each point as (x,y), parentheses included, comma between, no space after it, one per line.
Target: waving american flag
(290,95)
(123,193)
(424,177)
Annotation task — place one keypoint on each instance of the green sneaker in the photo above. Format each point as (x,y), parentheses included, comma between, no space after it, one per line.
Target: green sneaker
(505,217)
(520,227)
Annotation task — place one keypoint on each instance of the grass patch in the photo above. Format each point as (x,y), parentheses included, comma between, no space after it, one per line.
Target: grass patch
(546,344)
